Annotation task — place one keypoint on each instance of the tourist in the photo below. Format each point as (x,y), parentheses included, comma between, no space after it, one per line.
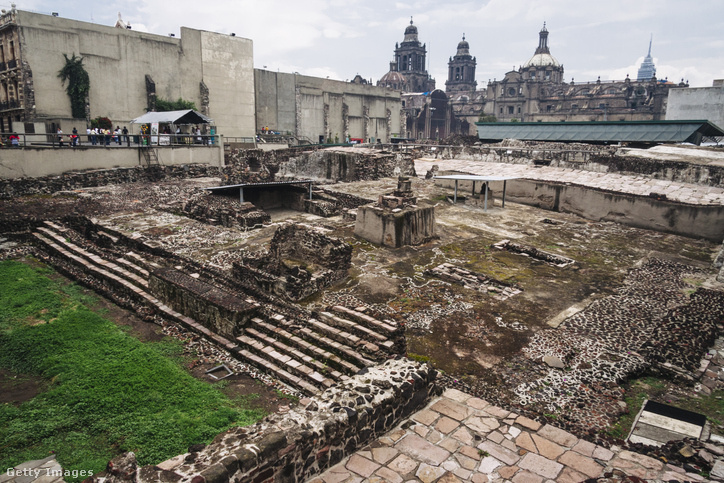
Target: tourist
(89,134)
(107,136)
(125,136)
(14,140)
(60,137)
(197,131)
(74,137)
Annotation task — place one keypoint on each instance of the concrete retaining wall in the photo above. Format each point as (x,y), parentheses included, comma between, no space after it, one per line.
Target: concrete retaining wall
(643,212)
(35,162)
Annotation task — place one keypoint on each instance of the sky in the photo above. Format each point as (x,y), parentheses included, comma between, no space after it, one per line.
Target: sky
(342,38)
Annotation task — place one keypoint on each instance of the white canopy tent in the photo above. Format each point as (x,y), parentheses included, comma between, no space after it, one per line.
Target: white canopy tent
(186,116)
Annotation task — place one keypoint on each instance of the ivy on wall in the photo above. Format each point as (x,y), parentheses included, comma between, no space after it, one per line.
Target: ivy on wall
(177,105)
(78,84)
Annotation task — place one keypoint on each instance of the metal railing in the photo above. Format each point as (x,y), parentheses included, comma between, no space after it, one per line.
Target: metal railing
(48,140)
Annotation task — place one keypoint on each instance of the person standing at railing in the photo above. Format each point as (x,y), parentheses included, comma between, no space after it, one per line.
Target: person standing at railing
(125,136)
(74,137)
(60,137)
(14,140)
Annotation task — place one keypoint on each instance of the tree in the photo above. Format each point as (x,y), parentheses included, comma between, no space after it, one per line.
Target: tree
(487,118)
(78,87)
(177,105)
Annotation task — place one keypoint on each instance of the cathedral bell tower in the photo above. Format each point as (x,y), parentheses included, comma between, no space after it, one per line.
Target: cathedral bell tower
(461,70)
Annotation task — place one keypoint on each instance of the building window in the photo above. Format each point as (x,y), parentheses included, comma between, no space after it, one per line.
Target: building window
(612,91)
(518,109)
(520,90)
(511,91)
(574,106)
(501,110)
(549,108)
(511,110)
(602,106)
(548,75)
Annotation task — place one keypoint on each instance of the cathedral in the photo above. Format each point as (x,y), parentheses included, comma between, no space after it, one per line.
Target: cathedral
(535,92)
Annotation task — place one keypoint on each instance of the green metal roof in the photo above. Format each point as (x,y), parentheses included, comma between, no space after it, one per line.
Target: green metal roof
(601,131)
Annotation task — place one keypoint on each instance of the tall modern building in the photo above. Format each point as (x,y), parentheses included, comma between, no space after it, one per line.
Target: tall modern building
(647,71)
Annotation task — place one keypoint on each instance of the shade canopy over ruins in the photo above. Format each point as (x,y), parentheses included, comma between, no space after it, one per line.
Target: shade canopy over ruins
(596,132)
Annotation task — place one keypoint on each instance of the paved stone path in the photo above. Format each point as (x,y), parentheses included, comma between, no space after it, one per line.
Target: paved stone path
(459,438)
(636,185)
(46,470)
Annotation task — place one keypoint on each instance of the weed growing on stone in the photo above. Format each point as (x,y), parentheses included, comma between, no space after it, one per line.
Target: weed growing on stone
(107,392)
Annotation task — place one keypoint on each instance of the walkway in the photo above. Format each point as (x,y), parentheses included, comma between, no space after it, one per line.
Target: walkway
(459,438)
(636,185)
(46,470)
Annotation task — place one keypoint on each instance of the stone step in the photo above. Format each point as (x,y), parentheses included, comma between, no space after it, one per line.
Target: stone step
(308,360)
(189,323)
(98,271)
(287,362)
(387,327)
(54,234)
(139,261)
(277,372)
(306,347)
(358,330)
(140,271)
(344,337)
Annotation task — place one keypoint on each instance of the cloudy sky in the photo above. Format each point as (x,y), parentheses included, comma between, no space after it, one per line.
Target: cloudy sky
(342,38)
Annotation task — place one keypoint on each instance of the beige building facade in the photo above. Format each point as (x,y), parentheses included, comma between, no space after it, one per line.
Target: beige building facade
(128,71)
(314,109)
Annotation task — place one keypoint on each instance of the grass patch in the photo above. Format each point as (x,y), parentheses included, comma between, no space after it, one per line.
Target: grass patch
(107,392)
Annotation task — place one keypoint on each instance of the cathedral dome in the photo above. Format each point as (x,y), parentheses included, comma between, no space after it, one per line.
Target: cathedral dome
(392,79)
(542,60)
(410,33)
(542,56)
(463,47)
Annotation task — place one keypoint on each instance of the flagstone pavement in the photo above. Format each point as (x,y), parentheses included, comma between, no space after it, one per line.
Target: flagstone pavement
(460,438)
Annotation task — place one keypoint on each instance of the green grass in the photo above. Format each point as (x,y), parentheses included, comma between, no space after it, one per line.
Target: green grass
(107,392)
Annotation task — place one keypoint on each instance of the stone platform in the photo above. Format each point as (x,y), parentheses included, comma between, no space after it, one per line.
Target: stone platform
(459,438)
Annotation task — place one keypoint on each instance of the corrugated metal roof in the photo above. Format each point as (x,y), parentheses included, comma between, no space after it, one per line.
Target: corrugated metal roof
(606,131)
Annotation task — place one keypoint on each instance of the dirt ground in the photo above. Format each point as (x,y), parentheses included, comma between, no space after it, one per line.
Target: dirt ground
(468,334)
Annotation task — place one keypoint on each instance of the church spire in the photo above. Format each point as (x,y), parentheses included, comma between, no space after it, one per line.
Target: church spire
(543,41)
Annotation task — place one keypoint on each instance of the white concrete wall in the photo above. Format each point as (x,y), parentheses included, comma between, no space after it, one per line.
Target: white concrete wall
(279,97)
(700,103)
(118,60)
(34,162)
(639,211)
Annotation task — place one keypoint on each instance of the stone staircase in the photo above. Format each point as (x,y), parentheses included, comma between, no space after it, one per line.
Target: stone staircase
(309,354)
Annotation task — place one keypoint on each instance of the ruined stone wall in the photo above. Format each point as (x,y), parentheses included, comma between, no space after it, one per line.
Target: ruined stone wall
(306,441)
(588,157)
(216,309)
(346,200)
(10,188)
(224,211)
(303,243)
(331,164)
(411,226)
(329,257)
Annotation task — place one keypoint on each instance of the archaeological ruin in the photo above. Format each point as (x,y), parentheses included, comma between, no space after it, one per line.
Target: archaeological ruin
(428,340)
